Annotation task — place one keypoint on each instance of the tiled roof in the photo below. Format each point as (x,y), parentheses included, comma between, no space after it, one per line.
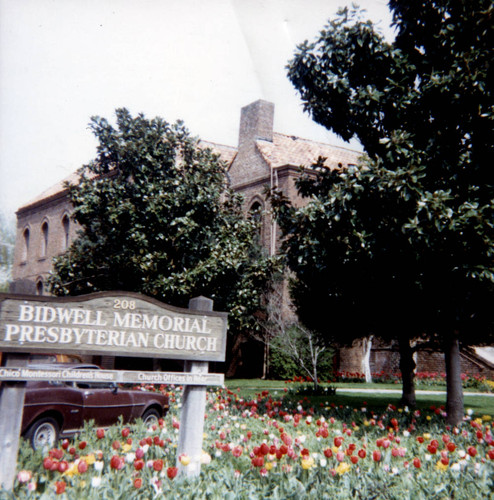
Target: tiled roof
(227,153)
(284,150)
(294,151)
(54,190)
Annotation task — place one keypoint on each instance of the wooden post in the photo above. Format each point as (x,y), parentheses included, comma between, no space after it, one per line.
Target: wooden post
(193,408)
(11,408)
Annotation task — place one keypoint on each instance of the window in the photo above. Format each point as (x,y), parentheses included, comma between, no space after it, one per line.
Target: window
(256,213)
(25,244)
(65,231)
(39,287)
(44,239)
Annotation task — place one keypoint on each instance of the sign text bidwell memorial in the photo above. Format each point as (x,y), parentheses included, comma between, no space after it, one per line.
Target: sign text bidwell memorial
(117,323)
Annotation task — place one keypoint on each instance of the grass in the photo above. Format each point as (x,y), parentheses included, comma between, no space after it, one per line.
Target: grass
(480,404)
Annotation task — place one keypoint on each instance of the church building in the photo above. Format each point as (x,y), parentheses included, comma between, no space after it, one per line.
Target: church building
(262,159)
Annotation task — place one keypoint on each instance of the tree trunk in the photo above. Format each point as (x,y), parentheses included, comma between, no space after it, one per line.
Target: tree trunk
(265,364)
(407,367)
(315,377)
(454,389)
(236,356)
(367,347)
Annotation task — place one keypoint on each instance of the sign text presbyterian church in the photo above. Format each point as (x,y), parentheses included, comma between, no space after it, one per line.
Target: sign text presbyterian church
(111,324)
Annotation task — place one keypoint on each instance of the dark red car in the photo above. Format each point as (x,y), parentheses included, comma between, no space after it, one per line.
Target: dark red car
(58,409)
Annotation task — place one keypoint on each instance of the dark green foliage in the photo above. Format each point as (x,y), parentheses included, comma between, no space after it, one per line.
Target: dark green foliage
(403,245)
(158,218)
(281,366)
(285,365)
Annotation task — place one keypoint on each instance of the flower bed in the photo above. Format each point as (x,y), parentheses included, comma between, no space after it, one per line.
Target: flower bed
(272,446)
(422,379)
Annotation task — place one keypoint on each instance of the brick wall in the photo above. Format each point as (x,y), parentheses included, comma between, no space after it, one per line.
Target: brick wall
(43,232)
(387,358)
(433,361)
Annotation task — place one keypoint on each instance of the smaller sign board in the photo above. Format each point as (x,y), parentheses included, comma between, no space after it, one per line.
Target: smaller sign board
(13,374)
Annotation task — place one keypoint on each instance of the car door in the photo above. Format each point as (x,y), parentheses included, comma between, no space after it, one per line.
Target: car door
(104,403)
(59,398)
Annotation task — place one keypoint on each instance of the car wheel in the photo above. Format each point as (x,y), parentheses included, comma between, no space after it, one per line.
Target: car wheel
(43,433)
(151,417)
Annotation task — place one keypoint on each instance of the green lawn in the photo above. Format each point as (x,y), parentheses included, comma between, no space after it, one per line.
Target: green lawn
(480,404)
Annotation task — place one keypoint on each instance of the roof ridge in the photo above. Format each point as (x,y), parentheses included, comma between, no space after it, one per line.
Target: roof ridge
(326,144)
(203,141)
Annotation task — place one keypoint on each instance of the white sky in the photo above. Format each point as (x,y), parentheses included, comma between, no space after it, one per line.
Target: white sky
(63,61)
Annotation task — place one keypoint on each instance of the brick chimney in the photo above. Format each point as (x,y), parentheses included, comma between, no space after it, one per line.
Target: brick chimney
(256,122)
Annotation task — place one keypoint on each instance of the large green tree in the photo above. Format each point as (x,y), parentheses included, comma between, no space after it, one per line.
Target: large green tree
(157,217)
(421,213)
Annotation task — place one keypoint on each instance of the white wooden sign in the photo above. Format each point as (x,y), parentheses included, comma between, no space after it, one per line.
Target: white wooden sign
(108,323)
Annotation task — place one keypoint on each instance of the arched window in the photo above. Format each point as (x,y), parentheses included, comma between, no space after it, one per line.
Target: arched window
(256,213)
(44,239)
(39,287)
(65,231)
(25,244)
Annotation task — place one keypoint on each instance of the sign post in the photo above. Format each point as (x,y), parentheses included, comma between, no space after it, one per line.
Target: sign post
(108,323)
(11,404)
(193,408)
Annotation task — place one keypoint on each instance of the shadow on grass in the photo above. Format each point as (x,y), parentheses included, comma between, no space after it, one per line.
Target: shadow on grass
(481,405)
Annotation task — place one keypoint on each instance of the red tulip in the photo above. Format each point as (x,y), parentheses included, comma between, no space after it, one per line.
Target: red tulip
(47,463)
(63,466)
(431,448)
(56,453)
(376,455)
(82,467)
(60,487)
(117,462)
(171,472)
(158,465)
